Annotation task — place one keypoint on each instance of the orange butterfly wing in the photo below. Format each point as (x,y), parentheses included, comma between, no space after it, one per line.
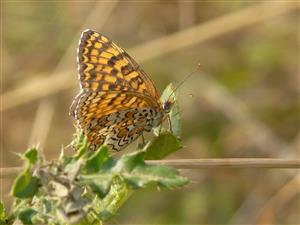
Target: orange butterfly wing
(103,66)
(113,90)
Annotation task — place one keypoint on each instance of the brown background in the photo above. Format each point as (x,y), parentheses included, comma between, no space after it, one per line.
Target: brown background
(244,102)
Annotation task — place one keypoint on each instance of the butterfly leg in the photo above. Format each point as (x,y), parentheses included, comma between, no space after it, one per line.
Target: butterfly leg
(70,147)
(170,124)
(142,144)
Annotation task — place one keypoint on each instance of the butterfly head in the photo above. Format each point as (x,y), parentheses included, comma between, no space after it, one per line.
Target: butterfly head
(167,105)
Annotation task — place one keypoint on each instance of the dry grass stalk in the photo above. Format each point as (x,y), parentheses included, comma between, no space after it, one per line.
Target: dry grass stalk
(203,163)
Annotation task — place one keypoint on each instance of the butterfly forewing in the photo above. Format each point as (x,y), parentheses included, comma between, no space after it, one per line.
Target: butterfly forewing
(118,101)
(103,66)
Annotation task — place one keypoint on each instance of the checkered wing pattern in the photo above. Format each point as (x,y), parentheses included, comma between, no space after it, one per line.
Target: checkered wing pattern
(118,101)
(103,66)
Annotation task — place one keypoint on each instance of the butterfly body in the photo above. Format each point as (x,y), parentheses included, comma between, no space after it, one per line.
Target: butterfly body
(117,101)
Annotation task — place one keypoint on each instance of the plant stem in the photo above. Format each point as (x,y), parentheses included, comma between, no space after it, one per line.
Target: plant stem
(228,163)
(118,194)
(208,163)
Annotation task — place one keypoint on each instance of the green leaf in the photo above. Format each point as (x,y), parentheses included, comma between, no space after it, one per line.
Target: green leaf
(161,146)
(47,205)
(65,160)
(31,156)
(74,183)
(128,162)
(134,171)
(164,176)
(26,215)
(105,215)
(167,93)
(80,143)
(175,117)
(95,161)
(174,114)
(108,206)
(73,169)
(2,212)
(99,183)
(25,185)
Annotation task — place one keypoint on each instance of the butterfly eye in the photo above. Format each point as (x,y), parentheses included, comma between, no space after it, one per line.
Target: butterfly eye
(167,105)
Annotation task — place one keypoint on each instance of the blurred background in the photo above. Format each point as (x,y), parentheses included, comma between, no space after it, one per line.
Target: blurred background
(243,103)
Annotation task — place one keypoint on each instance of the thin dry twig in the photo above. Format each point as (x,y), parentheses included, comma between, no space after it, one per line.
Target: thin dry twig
(42,122)
(243,213)
(279,200)
(212,29)
(202,164)
(285,193)
(41,87)
(229,163)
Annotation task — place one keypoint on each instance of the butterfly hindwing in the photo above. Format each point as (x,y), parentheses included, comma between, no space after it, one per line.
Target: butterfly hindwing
(117,128)
(88,106)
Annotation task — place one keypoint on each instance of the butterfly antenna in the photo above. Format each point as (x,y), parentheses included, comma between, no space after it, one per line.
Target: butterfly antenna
(184,79)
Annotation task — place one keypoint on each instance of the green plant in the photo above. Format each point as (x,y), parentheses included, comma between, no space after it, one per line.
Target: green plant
(89,187)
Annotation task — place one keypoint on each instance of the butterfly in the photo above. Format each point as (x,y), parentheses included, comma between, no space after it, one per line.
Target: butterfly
(117,101)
